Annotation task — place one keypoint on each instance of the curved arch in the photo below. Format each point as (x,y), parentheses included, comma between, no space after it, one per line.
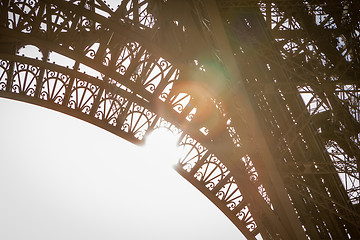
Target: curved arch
(214,182)
(129,99)
(129,192)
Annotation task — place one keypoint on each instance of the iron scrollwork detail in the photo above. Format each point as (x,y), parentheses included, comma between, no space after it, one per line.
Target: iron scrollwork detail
(192,151)
(111,106)
(230,194)
(211,172)
(138,121)
(54,86)
(4,68)
(25,78)
(83,95)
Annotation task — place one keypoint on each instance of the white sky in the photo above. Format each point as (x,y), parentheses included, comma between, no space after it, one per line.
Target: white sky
(62,178)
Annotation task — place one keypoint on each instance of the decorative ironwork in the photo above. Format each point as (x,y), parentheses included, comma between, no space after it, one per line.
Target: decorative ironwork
(264,95)
(194,152)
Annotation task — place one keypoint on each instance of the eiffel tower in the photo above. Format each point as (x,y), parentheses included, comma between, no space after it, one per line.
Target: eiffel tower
(264,95)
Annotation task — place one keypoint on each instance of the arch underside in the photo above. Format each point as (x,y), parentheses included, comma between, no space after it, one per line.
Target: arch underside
(126,68)
(68,58)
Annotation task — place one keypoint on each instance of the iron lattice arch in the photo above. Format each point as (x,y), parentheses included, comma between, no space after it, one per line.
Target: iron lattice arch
(263,95)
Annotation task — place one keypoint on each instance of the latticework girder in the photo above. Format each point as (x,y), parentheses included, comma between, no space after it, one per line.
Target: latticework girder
(263,94)
(311,56)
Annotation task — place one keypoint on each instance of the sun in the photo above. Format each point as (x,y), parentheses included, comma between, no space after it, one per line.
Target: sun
(161,145)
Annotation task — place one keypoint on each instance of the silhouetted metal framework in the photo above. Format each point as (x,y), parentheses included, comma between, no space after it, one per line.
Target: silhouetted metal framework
(264,95)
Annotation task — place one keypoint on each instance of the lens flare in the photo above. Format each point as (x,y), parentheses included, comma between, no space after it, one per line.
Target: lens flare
(162,146)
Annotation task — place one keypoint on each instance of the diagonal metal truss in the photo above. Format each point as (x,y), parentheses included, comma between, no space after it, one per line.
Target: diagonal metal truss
(264,95)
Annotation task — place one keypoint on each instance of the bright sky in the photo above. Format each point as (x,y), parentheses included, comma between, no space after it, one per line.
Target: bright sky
(62,178)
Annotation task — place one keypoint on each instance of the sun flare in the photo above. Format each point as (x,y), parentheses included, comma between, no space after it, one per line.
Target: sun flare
(162,147)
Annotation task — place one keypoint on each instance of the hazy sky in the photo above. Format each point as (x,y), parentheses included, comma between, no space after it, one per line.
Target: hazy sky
(62,178)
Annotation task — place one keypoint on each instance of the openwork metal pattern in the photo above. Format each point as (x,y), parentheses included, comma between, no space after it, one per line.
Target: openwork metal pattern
(264,95)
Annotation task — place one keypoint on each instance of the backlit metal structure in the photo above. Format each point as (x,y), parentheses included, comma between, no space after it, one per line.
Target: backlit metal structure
(264,95)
